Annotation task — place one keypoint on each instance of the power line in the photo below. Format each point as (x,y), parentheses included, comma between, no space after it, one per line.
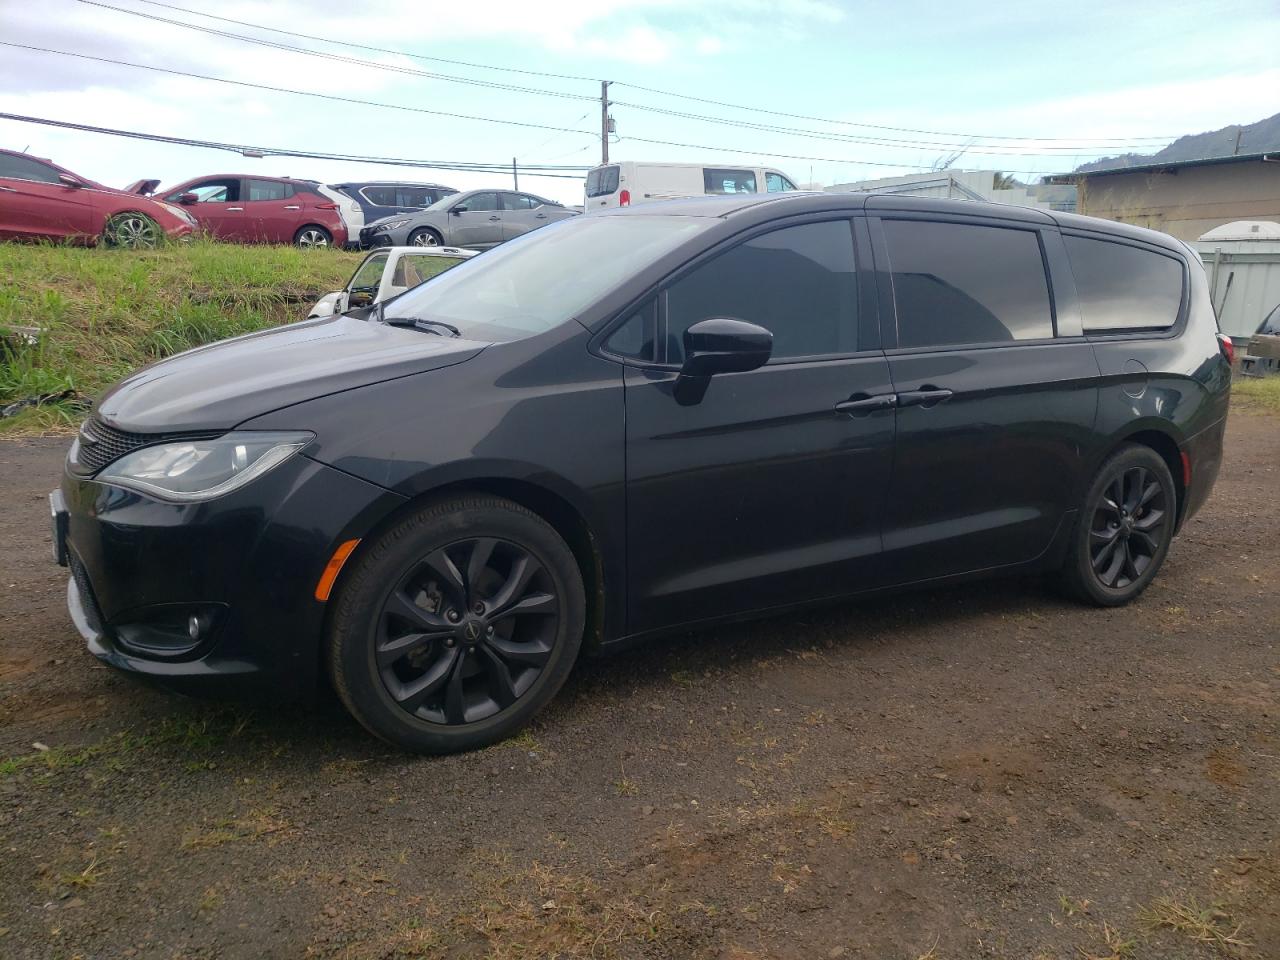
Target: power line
(393,106)
(363,46)
(540,170)
(1115,141)
(389,67)
(995,150)
(299,93)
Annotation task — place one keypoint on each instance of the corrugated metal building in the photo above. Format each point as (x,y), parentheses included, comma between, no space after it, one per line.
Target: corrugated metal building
(1243,260)
(1183,198)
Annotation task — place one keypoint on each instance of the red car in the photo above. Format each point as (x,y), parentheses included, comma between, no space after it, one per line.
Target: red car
(262,210)
(42,201)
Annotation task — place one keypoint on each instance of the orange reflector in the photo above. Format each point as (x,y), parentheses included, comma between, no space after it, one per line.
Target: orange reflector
(333,568)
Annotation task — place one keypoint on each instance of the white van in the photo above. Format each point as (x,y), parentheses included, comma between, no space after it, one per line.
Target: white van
(630,182)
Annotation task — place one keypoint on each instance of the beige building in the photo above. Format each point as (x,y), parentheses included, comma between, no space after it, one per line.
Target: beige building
(1184,198)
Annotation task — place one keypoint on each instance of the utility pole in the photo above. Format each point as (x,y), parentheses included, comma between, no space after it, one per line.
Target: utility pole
(604,121)
(515,174)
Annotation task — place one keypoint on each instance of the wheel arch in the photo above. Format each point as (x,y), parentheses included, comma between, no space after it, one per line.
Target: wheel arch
(1167,447)
(565,518)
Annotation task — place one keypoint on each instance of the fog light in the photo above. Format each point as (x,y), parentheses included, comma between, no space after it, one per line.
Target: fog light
(193,628)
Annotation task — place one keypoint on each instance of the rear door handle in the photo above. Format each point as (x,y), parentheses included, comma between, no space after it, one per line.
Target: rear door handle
(293,207)
(237,209)
(926,396)
(540,216)
(495,218)
(8,189)
(863,405)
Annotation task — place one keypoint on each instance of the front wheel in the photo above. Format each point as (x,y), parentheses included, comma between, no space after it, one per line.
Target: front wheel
(133,231)
(1124,530)
(312,236)
(424,237)
(457,625)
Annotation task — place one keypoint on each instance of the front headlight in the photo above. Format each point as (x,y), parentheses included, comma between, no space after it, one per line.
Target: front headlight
(180,213)
(390,225)
(190,470)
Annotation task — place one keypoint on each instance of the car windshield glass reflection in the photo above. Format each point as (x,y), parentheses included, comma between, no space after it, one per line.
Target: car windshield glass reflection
(544,278)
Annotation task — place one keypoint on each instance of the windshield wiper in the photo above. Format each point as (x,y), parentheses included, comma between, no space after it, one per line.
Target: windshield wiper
(417,323)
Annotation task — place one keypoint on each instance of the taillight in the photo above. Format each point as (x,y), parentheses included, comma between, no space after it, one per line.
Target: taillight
(624,198)
(1227,347)
(326,206)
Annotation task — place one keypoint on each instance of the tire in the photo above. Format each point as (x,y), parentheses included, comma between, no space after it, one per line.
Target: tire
(425,237)
(416,675)
(311,236)
(1124,529)
(132,231)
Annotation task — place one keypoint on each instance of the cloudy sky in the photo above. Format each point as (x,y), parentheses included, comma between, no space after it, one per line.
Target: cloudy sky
(866,89)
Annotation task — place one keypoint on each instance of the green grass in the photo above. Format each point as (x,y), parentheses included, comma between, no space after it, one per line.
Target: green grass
(103,313)
(1257,394)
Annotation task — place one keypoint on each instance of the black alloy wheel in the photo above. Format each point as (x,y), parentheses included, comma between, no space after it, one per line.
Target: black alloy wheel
(1125,528)
(451,629)
(467,631)
(1128,528)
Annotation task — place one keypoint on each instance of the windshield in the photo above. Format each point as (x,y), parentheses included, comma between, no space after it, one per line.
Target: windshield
(546,277)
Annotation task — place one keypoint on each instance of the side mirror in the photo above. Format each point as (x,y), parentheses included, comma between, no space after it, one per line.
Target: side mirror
(68,180)
(359,298)
(719,345)
(461,208)
(188,198)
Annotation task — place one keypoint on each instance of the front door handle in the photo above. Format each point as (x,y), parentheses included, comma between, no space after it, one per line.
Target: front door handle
(926,396)
(860,405)
(495,218)
(235,209)
(8,189)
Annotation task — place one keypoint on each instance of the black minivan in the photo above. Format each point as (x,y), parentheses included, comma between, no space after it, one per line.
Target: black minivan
(640,420)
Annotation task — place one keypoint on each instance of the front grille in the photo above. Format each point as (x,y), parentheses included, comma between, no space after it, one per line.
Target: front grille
(101,444)
(88,601)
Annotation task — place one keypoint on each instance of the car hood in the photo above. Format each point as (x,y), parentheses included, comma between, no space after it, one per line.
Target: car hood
(223,384)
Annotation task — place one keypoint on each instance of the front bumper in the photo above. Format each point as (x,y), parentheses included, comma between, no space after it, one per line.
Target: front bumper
(386,238)
(245,566)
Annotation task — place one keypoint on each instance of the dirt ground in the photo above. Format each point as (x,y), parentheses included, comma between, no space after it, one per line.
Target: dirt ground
(985,771)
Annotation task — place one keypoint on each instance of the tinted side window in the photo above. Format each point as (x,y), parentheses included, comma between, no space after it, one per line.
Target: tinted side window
(415,197)
(380,196)
(482,201)
(269,190)
(635,338)
(956,283)
(520,201)
(728,181)
(212,191)
(602,181)
(1123,287)
(798,282)
(24,168)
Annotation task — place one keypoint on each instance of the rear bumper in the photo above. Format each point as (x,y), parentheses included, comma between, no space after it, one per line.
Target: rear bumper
(1204,456)
(244,566)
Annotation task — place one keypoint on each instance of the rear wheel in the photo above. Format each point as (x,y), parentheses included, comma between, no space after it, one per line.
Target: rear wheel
(132,231)
(424,237)
(1124,529)
(457,625)
(312,236)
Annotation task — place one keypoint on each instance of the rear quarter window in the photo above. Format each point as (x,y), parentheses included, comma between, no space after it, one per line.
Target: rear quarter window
(1122,287)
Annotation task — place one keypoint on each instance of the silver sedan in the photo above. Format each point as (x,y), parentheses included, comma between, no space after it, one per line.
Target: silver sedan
(477,219)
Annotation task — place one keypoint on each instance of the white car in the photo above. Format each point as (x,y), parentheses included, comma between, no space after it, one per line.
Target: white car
(630,182)
(388,272)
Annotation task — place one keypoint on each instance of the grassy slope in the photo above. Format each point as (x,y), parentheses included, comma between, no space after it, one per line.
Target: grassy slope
(107,312)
